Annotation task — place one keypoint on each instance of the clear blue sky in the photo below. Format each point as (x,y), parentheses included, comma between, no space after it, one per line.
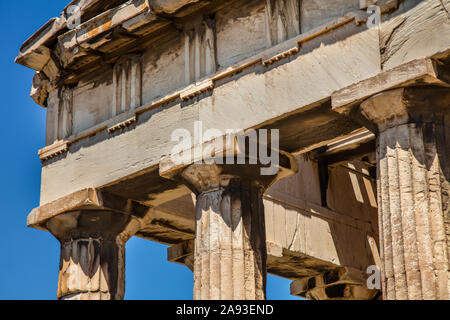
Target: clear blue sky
(29,258)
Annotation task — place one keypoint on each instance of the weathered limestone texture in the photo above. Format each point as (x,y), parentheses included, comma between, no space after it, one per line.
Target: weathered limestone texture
(413,190)
(91,268)
(92,262)
(200,53)
(283,20)
(127,84)
(230,244)
(136,80)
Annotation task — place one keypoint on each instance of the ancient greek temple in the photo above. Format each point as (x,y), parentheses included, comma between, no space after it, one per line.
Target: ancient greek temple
(343,176)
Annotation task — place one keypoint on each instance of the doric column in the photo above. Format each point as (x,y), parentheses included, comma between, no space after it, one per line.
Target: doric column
(230,247)
(229,179)
(413,146)
(92,261)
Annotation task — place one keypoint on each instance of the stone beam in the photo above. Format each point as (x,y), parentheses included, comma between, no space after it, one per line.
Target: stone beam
(299,84)
(182,253)
(359,145)
(308,109)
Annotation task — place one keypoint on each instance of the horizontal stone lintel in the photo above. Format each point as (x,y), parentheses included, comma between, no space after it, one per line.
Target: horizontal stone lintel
(347,143)
(180,251)
(86,199)
(116,176)
(323,213)
(422,71)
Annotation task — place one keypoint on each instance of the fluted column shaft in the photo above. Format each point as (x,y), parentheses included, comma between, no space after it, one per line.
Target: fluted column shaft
(91,268)
(413,191)
(230,251)
(92,261)
(413,213)
(230,255)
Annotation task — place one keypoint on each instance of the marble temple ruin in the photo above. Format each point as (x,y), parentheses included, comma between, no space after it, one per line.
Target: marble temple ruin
(357,92)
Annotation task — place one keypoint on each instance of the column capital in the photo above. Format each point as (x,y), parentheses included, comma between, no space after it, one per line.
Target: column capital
(73,211)
(92,227)
(92,261)
(406,105)
(229,260)
(208,171)
(108,225)
(204,177)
